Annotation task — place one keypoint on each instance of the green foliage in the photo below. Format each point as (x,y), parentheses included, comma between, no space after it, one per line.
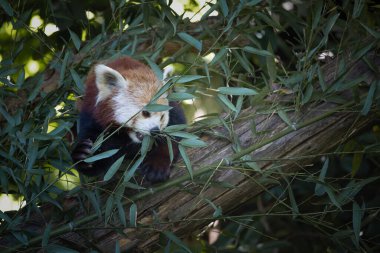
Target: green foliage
(258,48)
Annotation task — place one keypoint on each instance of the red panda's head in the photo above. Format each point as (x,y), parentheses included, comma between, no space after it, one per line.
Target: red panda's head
(125,93)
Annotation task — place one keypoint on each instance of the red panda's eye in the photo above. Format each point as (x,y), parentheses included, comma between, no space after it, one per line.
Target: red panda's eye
(146,114)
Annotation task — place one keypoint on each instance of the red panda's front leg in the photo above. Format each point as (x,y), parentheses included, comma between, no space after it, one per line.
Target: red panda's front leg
(156,167)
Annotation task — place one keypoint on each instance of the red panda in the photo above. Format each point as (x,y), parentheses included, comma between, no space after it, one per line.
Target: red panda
(115,95)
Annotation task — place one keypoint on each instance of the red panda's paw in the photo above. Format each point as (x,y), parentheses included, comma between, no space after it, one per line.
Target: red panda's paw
(81,152)
(155,171)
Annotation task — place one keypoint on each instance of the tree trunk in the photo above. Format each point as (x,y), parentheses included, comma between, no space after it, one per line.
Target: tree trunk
(183,205)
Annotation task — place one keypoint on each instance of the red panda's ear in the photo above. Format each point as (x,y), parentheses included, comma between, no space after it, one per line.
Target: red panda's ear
(107,79)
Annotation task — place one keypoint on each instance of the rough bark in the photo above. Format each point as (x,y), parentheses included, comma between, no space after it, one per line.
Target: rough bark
(182,208)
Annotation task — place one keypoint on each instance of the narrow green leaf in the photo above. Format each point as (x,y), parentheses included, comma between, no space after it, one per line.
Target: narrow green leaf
(219,56)
(91,44)
(236,91)
(332,197)
(358,7)
(46,236)
(185,158)
(157,108)
(224,7)
(133,215)
(155,68)
(182,134)
(317,14)
(271,65)
(307,95)
(187,78)
(77,80)
(121,212)
(319,188)
(145,145)
(205,66)
(7,7)
(175,128)
(193,143)
(63,67)
(191,40)
(94,200)
(113,169)
(100,156)
(257,51)
(227,102)
(359,54)
(293,202)
(180,96)
(368,101)
(170,148)
(330,23)
(75,39)
(11,121)
(352,189)
(20,78)
(131,172)
(217,209)
(356,221)
(117,244)
(37,88)
(374,33)
(176,240)
(109,208)
(283,115)
(243,61)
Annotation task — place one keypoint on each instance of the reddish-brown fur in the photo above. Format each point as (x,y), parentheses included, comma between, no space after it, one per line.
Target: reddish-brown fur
(142,86)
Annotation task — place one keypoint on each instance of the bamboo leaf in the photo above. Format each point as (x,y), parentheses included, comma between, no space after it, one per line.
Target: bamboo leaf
(193,143)
(319,188)
(227,102)
(187,78)
(256,51)
(170,148)
(7,7)
(63,67)
(283,115)
(131,172)
(113,169)
(236,91)
(175,128)
(191,40)
(133,215)
(157,108)
(46,236)
(121,212)
(77,80)
(155,68)
(368,101)
(219,56)
(185,158)
(100,156)
(145,145)
(180,96)
(75,39)
(224,7)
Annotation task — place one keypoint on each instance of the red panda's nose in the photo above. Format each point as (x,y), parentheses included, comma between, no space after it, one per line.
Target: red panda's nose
(154,130)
